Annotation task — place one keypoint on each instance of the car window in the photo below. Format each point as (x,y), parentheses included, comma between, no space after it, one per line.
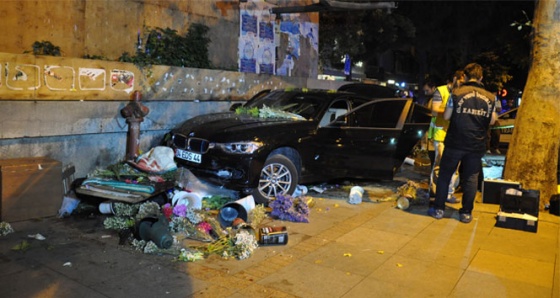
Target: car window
(380,114)
(511,114)
(302,104)
(335,110)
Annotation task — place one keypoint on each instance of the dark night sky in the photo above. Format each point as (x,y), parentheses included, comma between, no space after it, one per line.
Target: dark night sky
(454,32)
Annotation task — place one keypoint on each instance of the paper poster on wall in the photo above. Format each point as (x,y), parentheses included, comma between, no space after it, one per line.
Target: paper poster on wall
(22,76)
(248,63)
(122,80)
(266,59)
(256,47)
(91,78)
(311,32)
(58,78)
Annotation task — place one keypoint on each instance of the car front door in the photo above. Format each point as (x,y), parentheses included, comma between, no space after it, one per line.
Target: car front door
(363,143)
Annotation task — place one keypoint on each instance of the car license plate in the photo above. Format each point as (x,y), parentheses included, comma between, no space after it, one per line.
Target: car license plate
(190,156)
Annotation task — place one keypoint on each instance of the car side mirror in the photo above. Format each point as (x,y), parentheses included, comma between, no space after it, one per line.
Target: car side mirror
(234,106)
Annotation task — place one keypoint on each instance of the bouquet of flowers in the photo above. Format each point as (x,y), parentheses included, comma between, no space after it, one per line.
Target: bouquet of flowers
(238,244)
(286,207)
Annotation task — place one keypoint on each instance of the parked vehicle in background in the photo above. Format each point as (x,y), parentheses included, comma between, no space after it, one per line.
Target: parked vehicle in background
(506,125)
(283,138)
(371,90)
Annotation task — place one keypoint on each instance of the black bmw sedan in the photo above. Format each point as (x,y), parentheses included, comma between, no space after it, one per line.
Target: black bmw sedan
(283,138)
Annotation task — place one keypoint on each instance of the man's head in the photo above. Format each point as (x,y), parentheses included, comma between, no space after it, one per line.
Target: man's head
(473,72)
(429,87)
(458,78)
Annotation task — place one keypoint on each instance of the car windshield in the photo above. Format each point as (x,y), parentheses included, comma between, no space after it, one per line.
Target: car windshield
(288,104)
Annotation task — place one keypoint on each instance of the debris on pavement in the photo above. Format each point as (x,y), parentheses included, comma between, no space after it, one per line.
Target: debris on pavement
(22,246)
(37,236)
(356,194)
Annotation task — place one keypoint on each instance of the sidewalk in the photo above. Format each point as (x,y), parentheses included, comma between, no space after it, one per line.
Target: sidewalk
(365,250)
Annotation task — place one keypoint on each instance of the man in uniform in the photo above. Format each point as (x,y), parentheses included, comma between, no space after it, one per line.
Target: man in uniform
(471,110)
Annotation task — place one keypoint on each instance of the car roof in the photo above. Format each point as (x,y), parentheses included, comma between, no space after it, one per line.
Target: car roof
(369,90)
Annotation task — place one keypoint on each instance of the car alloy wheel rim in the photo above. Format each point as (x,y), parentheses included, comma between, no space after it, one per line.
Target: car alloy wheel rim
(275,179)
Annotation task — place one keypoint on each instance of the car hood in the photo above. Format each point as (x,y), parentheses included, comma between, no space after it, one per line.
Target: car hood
(231,126)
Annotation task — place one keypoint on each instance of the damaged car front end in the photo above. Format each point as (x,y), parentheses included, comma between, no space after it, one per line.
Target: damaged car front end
(288,137)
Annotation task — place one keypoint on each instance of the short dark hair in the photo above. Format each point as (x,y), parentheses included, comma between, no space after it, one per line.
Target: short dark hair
(458,74)
(473,71)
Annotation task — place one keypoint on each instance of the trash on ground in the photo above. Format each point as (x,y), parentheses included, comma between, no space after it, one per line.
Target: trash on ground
(22,246)
(69,204)
(409,194)
(67,264)
(37,236)
(356,194)
(273,236)
(158,160)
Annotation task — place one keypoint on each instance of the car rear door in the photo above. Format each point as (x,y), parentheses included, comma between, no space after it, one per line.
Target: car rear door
(364,142)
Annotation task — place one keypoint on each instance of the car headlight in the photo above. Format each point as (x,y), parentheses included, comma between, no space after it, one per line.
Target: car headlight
(240,147)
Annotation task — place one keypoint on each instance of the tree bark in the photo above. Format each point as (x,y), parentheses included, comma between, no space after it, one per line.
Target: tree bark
(532,157)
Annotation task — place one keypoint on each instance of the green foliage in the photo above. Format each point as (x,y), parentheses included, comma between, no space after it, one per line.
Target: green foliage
(167,47)
(214,202)
(361,34)
(45,48)
(95,57)
(253,112)
(496,74)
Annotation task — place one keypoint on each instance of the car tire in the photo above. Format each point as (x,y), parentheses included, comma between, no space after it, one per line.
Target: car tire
(279,175)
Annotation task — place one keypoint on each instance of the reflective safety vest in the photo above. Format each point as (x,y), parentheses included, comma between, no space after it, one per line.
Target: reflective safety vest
(438,125)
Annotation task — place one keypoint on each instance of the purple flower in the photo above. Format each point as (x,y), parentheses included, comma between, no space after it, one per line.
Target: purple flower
(180,210)
(284,207)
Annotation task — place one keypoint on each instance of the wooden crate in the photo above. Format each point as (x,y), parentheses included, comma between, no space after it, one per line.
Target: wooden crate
(30,188)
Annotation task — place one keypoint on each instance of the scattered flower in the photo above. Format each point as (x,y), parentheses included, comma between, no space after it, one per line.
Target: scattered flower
(148,209)
(257,215)
(190,256)
(118,223)
(5,228)
(124,209)
(167,211)
(180,210)
(204,226)
(286,207)
(239,245)
(150,248)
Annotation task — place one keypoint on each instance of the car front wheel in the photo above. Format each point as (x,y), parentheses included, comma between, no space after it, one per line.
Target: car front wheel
(278,176)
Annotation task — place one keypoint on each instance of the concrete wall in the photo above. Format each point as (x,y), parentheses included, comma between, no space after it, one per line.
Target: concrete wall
(109,28)
(84,127)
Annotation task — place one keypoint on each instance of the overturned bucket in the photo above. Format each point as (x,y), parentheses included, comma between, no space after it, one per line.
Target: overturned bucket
(229,212)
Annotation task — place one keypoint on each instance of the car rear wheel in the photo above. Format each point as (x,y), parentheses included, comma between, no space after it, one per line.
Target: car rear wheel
(279,175)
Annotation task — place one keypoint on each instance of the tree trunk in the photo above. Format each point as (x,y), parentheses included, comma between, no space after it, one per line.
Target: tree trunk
(532,157)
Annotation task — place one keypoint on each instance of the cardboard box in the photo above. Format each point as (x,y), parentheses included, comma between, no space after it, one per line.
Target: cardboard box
(517,221)
(30,188)
(492,189)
